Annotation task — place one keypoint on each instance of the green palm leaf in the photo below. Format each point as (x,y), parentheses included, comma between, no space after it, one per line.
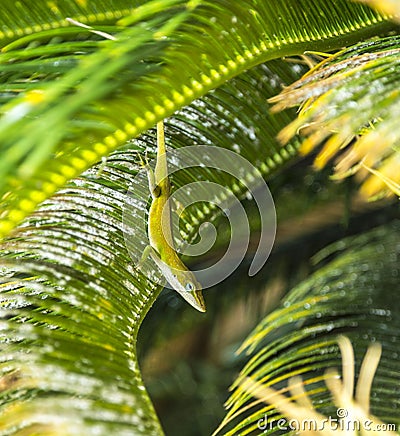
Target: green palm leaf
(77,314)
(352,295)
(93,97)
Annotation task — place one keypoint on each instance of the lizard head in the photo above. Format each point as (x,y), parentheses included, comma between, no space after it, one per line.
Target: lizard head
(185,282)
(181,280)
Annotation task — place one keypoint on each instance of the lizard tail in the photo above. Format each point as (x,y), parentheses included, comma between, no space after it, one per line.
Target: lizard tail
(160,139)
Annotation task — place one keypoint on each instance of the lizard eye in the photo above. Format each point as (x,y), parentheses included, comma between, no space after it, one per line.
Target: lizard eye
(189,286)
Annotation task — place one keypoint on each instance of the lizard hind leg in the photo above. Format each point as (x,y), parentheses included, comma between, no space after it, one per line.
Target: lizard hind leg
(154,189)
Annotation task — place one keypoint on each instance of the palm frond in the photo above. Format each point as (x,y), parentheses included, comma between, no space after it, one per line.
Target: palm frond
(24,19)
(70,313)
(351,101)
(352,295)
(353,413)
(74,101)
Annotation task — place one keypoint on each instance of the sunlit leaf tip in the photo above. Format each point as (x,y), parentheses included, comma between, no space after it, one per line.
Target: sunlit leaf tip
(388,7)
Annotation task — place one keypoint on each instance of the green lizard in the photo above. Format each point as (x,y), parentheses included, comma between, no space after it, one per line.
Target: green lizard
(161,248)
